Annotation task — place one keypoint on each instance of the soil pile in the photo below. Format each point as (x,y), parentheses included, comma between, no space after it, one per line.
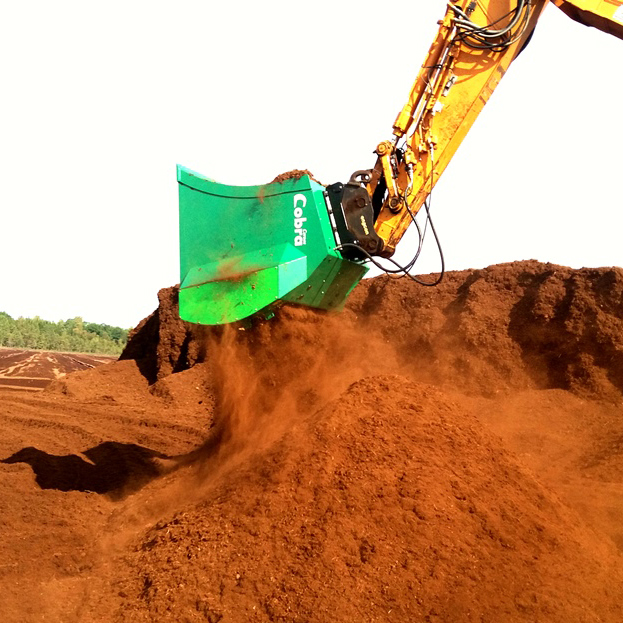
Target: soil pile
(336,467)
(391,503)
(512,326)
(162,343)
(522,325)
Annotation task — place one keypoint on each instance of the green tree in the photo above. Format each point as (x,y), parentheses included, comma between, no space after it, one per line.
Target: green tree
(73,335)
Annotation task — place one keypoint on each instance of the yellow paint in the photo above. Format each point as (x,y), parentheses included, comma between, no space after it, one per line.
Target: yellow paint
(452,87)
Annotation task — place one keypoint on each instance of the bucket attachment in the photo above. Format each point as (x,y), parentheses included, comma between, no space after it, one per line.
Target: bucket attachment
(247,249)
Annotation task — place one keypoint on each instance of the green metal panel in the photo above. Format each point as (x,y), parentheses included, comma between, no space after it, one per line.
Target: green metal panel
(329,285)
(244,249)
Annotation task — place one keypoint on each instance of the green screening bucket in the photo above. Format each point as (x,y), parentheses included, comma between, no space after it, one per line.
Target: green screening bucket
(247,249)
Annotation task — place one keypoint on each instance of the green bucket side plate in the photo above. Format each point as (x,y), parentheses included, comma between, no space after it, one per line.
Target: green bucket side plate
(329,285)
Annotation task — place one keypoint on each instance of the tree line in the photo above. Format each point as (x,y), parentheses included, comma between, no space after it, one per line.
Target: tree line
(73,335)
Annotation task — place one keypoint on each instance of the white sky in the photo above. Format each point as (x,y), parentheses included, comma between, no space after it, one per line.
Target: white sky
(102,99)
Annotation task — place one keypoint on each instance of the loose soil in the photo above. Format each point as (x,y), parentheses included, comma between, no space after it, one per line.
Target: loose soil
(295,174)
(430,454)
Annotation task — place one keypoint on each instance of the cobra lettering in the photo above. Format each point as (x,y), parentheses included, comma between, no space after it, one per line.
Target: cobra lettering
(300,233)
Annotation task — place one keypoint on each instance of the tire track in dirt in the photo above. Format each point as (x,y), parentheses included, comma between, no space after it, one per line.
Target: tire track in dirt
(34,370)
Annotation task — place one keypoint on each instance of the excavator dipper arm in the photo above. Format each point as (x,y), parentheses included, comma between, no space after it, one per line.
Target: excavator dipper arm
(475,45)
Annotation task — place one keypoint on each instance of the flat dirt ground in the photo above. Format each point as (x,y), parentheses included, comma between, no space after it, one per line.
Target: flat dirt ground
(445,454)
(35,369)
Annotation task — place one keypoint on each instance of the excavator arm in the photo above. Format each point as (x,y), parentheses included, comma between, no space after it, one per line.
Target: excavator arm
(463,68)
(475,45)
(246,250)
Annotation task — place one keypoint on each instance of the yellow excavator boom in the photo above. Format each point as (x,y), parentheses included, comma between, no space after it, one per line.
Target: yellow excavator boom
(475,45)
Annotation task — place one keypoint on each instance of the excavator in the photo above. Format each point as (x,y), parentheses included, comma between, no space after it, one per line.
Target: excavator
(245,250)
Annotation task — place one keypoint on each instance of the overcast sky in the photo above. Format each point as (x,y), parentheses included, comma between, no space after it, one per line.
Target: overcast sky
(102,99)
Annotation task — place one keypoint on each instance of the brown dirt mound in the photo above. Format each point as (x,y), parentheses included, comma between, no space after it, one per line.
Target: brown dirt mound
(120,381)
(163,343)
(279,474)
(522,325)
(391,503)
(572,444)
(511,326)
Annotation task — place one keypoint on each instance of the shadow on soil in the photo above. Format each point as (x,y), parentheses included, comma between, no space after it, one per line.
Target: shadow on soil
(112,468)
